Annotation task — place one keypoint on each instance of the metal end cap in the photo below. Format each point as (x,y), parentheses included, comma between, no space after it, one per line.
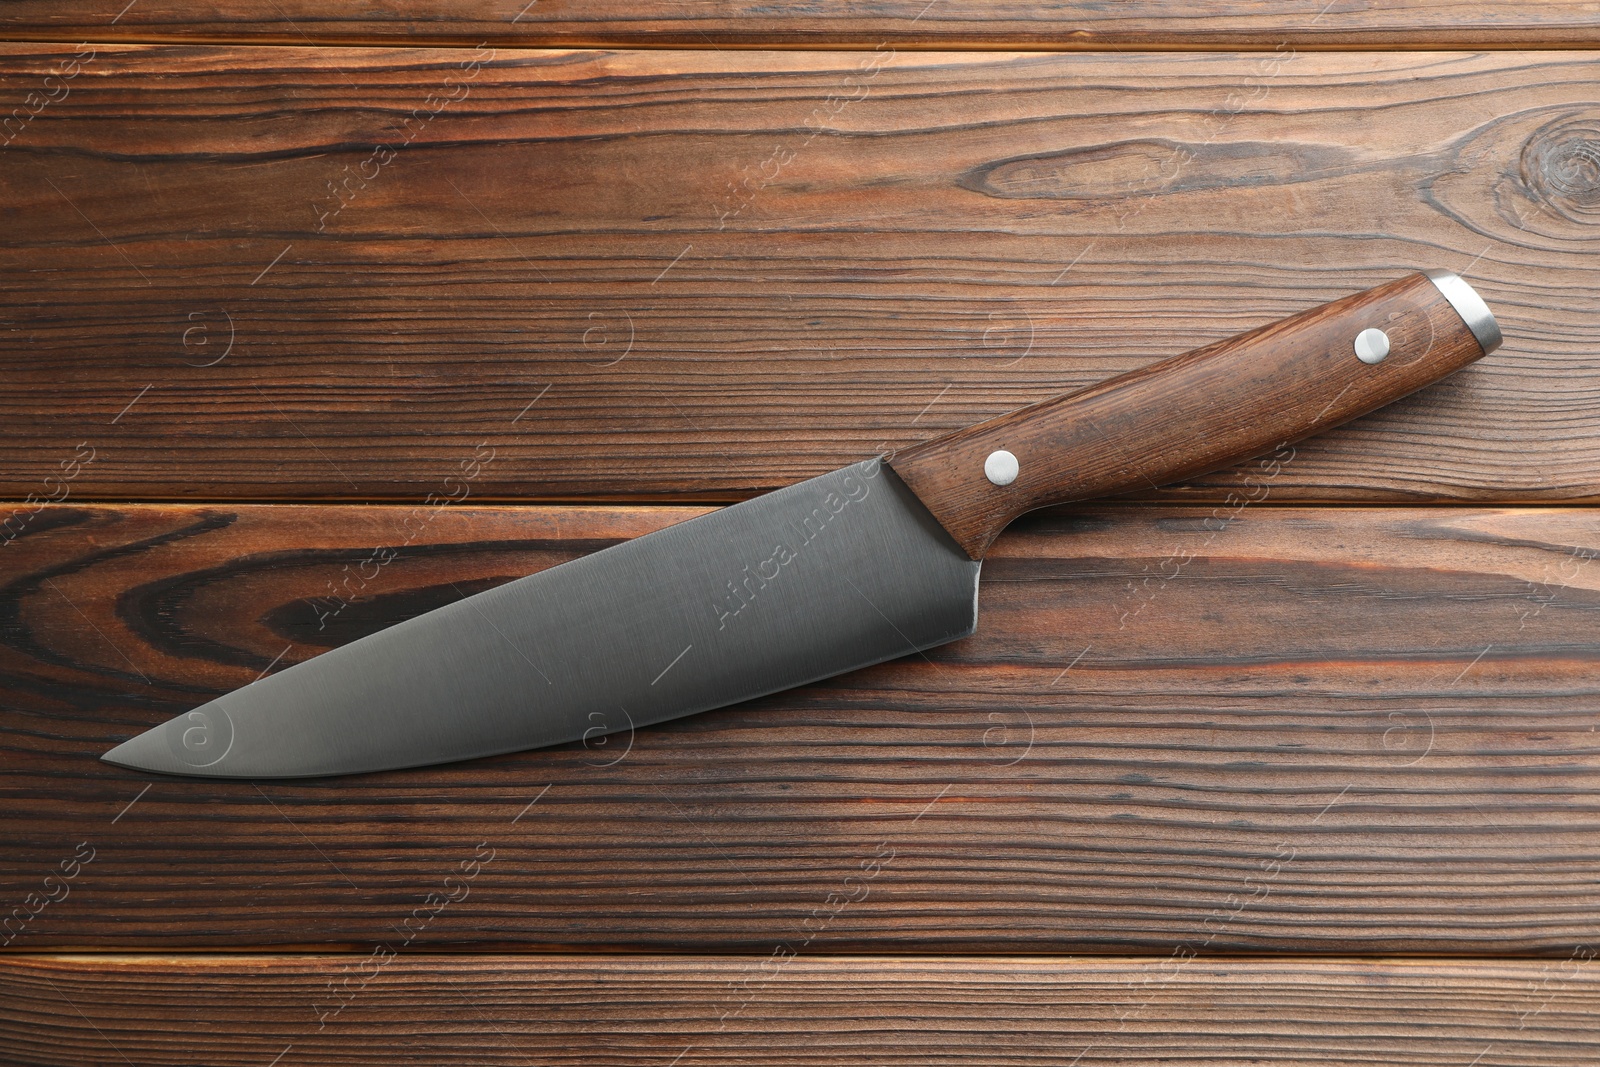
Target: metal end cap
(1470,306)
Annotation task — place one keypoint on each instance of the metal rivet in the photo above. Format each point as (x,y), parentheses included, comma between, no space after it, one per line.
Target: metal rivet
(1371,346)
(1001,467)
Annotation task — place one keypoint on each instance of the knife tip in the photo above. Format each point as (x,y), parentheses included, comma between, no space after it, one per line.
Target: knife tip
(131,753)
(196,744)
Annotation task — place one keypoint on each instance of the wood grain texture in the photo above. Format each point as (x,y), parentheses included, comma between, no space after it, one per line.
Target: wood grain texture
(1194,413)
(1081,24)
(61,1010)
(680,276)
(1247,728)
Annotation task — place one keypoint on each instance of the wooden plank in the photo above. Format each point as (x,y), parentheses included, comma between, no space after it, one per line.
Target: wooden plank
(1074,24)
(1248,728)
(699,275)
(792,1010)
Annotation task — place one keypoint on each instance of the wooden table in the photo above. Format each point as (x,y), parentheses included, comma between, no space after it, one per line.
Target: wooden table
(1292,764)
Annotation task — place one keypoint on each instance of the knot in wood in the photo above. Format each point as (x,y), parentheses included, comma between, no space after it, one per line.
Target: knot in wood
(1561,163)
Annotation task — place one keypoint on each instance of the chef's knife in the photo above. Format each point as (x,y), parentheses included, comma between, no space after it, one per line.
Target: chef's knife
(868,563)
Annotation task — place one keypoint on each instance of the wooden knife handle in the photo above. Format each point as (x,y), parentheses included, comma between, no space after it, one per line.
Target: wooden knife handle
(1202,410)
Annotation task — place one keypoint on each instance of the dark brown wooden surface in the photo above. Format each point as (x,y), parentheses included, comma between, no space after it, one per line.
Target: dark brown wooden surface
(1327,731)
(1081,24)
(698,275)
(1234,400)
(798,1010)
(265,270)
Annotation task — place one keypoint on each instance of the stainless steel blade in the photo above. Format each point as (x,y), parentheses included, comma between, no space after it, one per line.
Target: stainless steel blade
(831,574)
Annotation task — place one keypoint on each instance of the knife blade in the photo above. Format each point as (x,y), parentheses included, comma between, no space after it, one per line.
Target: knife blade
(871,562)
